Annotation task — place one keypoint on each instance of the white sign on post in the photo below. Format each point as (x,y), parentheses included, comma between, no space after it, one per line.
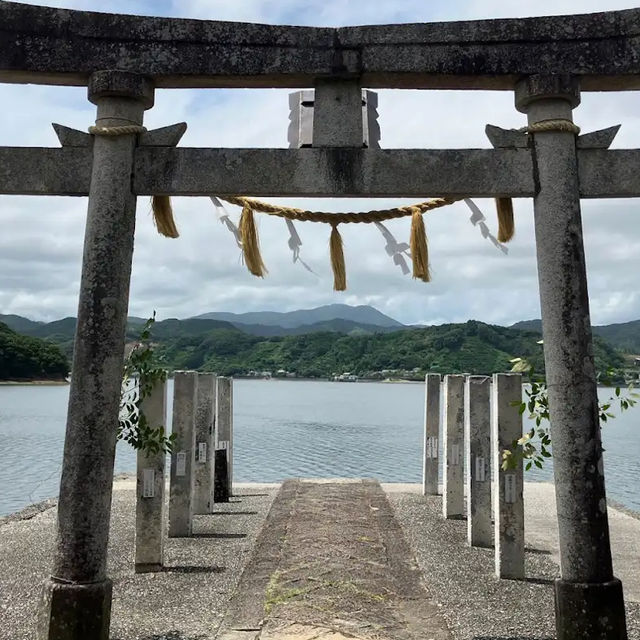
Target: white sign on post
(202,451)
(181,463)
(510,488)
(148,483)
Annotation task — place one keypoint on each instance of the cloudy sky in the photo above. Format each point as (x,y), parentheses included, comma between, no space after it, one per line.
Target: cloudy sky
(41,242)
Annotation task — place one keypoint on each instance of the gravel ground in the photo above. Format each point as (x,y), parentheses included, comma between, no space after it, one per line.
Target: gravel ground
(477,605)
(185,602)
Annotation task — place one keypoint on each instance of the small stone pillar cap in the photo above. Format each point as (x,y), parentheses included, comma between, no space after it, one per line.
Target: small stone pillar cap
(120,84)
(541,87)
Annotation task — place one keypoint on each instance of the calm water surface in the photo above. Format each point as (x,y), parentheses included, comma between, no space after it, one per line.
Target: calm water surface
(282,429)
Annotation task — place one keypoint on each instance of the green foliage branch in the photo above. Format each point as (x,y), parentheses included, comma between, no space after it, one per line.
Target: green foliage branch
(534,447)
(142,372)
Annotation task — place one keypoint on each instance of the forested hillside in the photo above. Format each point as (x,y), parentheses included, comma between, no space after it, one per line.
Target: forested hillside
(473,347)
(28,358)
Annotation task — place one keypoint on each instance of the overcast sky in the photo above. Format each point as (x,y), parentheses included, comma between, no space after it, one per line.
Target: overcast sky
(41,241)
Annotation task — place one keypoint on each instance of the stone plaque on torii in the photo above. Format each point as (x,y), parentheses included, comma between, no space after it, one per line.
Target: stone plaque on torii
(122,60)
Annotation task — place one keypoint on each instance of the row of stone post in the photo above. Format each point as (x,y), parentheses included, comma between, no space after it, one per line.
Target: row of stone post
(202,424)
(475,436)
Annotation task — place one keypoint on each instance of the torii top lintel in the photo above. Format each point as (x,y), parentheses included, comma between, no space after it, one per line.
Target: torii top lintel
(59,46)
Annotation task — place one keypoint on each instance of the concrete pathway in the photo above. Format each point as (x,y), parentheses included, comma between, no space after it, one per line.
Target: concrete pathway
(331,563)
(541,531)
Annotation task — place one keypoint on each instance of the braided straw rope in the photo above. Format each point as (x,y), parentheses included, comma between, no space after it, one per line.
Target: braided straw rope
(304,215)
(552,125)
(117,131)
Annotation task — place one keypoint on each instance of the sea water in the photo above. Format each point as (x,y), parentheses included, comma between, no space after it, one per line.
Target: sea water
(283,429)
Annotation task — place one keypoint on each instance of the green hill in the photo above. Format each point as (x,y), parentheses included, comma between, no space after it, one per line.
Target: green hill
(28,358)
(473,347)
(624,335)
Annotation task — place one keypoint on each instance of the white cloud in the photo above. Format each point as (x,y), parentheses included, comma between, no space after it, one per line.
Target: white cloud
(41,244)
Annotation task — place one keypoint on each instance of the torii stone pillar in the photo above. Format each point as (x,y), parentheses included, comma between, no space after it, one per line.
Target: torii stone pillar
(77,597)
(589,600)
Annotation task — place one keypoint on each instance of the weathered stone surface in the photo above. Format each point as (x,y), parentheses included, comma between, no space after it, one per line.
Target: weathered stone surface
(332,563)
(164,136)
(453,447)
(94,395)
(150,486)
(72,137)
(335,172)
(317,172)
(224,423)
(75,611)
(477,443)
(585,549)
(36,171)
(431,434)
(337,114)
(506,138)
(600,139)
(580,607)
(508,506)
(120,84)
(182,458)
(601,48)
(205,443)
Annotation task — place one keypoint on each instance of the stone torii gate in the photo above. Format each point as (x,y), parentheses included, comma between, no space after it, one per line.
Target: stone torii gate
(547,62)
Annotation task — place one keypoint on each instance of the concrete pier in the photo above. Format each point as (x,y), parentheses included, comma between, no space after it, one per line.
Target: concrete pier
(477,440)
(150,507)
(452,447)
(431,434)
(224,423)
(508,500)
(77,601)
(205,443)
(182,458)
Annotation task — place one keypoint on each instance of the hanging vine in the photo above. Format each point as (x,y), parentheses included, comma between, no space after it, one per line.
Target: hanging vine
(142,372)
(534,447)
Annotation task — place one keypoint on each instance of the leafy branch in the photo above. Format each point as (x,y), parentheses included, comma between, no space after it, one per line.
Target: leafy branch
(534,447)
(140,376)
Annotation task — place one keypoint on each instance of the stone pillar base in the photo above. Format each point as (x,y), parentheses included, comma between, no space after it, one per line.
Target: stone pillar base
(148,567)
(590,610)
(75,611)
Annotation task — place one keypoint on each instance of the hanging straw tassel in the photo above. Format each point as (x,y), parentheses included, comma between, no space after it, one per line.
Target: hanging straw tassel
(419,248)
(250,244)
(163,216)
(506,226)
(337,260)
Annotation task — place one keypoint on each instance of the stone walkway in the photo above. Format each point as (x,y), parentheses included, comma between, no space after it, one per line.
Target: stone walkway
(333,563)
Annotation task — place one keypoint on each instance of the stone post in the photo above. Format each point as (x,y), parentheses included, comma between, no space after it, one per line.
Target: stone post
(589,600)
(453,436)
(150,509)
(431,434)
(182,459)
(224,423)
(337,113)
(508,501)
(205,443)
(77,597)
(477,438)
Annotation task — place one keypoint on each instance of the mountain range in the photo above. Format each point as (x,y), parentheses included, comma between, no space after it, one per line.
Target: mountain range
(338,338)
